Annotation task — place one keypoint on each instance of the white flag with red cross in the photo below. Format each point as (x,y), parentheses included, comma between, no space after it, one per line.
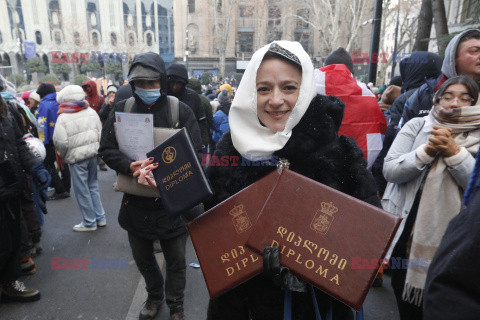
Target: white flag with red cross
(363,119)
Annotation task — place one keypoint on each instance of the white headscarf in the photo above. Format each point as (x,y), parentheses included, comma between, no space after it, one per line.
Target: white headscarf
(249,137)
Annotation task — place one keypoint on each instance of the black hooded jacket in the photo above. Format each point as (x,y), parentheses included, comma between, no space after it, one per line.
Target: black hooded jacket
(145,217)
(315,151)
(188,96)
(418,70)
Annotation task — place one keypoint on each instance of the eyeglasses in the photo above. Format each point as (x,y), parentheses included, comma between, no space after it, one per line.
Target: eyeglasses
(461,100)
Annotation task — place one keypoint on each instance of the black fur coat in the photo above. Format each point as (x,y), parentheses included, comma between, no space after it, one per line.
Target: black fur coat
(316,151)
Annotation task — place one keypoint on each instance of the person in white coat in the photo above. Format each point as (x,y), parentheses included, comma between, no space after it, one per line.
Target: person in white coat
(428,168)
(77,138)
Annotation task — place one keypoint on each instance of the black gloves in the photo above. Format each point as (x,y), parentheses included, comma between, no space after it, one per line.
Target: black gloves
(281,275)
(40,175)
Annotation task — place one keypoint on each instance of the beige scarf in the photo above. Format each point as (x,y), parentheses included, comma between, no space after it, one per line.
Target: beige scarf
(441,199)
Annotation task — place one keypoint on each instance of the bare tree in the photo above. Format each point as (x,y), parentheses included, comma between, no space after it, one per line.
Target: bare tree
(328,18)
(424,26)
(440,21)
(223,11)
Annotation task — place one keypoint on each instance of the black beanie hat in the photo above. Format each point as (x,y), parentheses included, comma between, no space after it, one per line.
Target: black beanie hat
(45,88)
(340,56)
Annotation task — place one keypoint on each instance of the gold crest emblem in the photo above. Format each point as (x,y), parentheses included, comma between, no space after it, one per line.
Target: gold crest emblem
(240,219)
(323,218)
(169,154)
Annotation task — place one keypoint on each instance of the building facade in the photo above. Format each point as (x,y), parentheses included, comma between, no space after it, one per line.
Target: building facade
(106,30)
(209,31)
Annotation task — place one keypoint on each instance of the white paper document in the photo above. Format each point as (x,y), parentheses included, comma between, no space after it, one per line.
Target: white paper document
(134,134)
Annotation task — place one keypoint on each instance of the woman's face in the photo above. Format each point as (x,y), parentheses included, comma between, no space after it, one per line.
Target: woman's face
(455,96)
(278,86)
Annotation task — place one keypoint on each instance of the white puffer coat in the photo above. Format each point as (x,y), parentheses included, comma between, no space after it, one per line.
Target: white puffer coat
(77,135)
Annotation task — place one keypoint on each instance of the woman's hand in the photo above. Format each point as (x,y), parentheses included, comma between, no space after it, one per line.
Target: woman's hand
(140,164)
(146,176)
(144,173)
(443,142)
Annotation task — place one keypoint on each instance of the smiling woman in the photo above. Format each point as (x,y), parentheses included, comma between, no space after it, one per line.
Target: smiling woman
(276,114)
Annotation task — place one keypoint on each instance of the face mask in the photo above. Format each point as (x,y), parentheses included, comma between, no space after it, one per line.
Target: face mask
(148,96)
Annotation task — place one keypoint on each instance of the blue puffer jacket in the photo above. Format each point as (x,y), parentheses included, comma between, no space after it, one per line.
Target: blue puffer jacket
(419,103)
(220,125)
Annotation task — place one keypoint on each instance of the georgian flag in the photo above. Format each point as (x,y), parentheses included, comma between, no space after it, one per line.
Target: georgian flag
(363,119)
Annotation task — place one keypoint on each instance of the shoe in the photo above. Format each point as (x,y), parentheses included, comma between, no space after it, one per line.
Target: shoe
(151,308)
(15,291)
(178,315)
(102,167)
(27,265)
(80,227)
(58,196)
(101,223)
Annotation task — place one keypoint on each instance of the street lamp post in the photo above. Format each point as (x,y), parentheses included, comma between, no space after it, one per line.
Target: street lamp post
(186,48)
(375,41)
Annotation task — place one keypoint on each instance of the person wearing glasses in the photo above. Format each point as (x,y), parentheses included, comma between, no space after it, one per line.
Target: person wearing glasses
(428,169)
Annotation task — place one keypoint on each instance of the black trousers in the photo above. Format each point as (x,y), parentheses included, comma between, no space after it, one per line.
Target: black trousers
(10,218)
(63,184)
(173,287)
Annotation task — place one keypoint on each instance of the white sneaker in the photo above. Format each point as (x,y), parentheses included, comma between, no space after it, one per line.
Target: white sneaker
(80,227)
(102,224)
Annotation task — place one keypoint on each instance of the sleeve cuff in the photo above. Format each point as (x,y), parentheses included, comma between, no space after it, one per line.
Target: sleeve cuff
(422,156)
(455,160)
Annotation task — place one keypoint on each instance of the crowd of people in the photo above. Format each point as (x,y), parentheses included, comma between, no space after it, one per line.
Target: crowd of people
(410,148)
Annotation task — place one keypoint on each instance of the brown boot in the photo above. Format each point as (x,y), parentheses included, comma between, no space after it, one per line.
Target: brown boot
(15,291)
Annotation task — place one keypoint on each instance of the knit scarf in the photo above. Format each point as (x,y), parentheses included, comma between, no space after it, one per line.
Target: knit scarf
(72,106)
(441,198)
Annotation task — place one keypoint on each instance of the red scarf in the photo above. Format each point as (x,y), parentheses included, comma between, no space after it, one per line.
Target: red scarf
(72,107)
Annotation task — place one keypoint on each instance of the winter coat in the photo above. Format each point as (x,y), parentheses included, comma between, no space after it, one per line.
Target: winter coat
(421,104)
(404,172)
(13,147)
(451,290)
(145,217)
(418,70)
(316,151)
(195,85)
(47,117)
(77,135)
(94,99)
(220,125)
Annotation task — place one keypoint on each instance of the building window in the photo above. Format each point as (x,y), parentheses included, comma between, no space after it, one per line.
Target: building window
(113,38)
(149,39)
(191,6)
(38,37)
(302,22)
(95,38)
(1,38)
(245,41)
(58,38)
(76,38)
(131,39)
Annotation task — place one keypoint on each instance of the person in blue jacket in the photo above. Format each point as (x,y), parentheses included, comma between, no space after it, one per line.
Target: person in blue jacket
(220,118)
(46,118)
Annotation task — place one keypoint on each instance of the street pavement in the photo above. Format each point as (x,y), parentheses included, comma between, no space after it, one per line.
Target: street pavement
(109,286)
